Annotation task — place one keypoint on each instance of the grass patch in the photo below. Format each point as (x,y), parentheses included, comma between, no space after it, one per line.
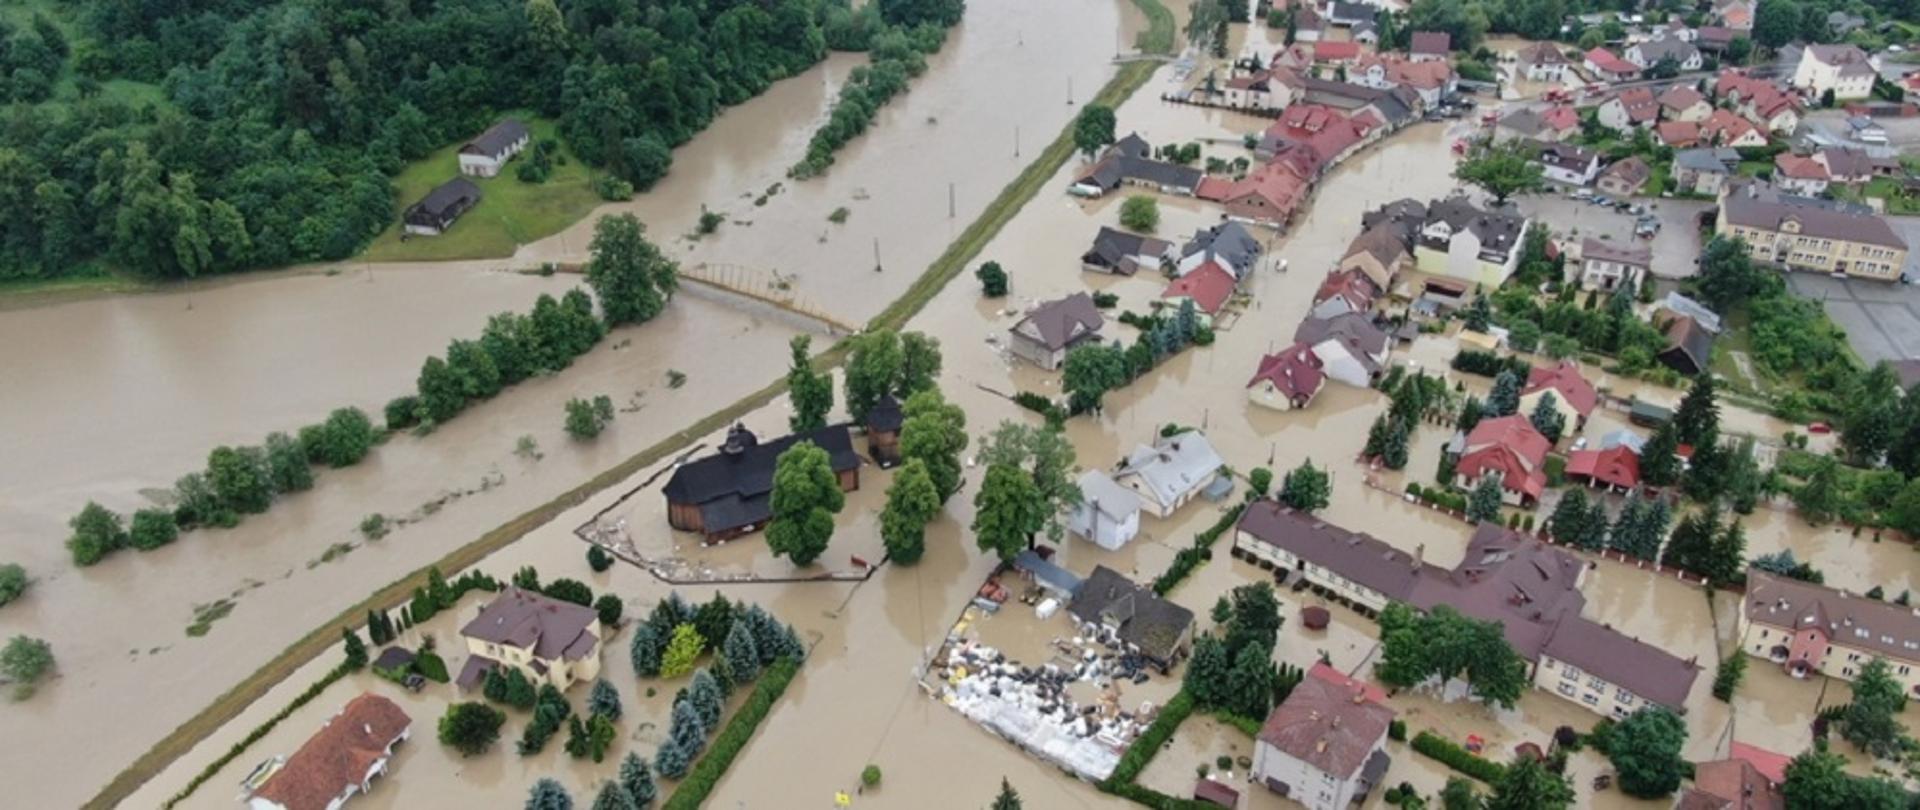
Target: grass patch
(205,615)
(317,641)
(510,213)
(81,283)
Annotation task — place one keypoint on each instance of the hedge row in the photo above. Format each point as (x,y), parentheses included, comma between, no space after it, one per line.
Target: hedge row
(1150,742)
(707,772)
(1459,759)
(1191,557)
(1489,364)
(1438,496)
(259,731)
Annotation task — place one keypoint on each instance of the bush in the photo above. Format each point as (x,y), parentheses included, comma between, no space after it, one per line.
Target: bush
(993,280)
(706,773)
(1106,300)
(13,582)
(839,215)
(1149,743)
(598,559)
(1489,364)
(613,189)
(152,528)
(870,775)
(585,419)
(1191,557)
(1397,731)
(402,412)
(1457,758)
(374,526)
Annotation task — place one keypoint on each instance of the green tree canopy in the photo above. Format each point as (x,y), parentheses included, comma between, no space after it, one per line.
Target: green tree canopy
(1008,511)
(1501,170)
(810,391)
(806,495)
(1093,128)
(1645,749)
(912,502)
(629,275)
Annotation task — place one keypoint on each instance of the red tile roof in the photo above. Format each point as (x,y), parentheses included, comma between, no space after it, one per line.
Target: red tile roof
(1351,284)
(1560,117)
(1396,69)
(1606,61)
(1800,168)
(1295,371)
(1771,765)
(1213,189)
(1565,381)
(1617,465)
(1680,97)
(1639,104)
(1323,724)
(1335,51)
(1679,133)
(1325,671)
(339,755)
(1209,285)
(1510,446)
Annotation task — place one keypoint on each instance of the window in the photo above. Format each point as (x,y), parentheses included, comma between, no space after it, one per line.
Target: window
(1597,683)
(1571,673)
(1590,699)
(1567,689)
(1621,694)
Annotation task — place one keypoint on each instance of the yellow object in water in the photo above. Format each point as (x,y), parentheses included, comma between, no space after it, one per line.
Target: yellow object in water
(841,799)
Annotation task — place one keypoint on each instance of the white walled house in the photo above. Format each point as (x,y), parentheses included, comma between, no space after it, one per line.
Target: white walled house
(487,153)
(1325,745)
(1845,69)
(1350,348)
(337,763)
(1169,474)
(1108,515)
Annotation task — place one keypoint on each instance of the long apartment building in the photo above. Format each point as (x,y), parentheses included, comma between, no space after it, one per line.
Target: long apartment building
(1803,233)
(1530,588)
(1812,630)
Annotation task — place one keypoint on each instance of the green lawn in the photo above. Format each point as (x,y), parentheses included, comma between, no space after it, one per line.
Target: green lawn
(1884,188)
(510,213)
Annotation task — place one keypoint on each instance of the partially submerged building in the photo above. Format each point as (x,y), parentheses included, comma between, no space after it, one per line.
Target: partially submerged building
(549,640)
(1153,628)
(337,763)
(725,495)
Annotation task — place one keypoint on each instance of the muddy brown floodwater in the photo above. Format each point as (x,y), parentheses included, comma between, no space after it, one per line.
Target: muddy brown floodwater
(106,398)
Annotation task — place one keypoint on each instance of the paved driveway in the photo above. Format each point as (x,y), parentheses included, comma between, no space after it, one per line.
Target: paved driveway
(1882,320)
(1674,249)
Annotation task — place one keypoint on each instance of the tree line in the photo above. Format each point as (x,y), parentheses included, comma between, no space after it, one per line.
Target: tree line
(283,122)
(897,36)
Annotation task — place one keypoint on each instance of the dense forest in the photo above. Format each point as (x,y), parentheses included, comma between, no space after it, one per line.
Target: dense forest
(1777,21)
(282,121)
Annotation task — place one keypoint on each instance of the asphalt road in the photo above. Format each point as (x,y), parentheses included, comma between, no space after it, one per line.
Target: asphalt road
(1882,320)
(1674,248)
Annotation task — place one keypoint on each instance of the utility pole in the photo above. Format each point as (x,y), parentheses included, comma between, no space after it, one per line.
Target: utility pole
(1069,91)
(876,254)
(1016,141)
(949,200)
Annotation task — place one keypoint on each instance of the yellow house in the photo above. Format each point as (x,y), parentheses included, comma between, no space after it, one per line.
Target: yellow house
(548,640)
(1805,234)
(1573,396)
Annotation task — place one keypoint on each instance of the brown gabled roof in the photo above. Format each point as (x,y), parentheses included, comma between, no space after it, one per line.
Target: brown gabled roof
(1328,726)
(1633,171)
(1787,604)
(1639,667)
(1431,43)
(339,755)
(1382,242)
(1732,784)
(545,626)
(1680,97)
(1358,556)
(1065,321)
(1752,206)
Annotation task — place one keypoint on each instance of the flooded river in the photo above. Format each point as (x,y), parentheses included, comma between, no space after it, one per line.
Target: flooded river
(110,397)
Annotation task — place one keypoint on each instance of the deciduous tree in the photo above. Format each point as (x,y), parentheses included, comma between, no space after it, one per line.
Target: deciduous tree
(628,273)
(1091,371)
(935,433)
(1141,213)
(1501,170)
(912,501)
(1093,128)
(23,662)
(471,727)
(806,496)
(810,391)
(1306,488)
(97,532)
(1008,511)
(1872,720)
(1645,750)
(1527,784)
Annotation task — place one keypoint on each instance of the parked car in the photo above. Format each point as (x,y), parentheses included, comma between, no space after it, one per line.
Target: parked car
(1821,428)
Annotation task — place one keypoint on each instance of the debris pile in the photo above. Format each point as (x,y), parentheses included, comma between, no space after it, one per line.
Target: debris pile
(1030,705)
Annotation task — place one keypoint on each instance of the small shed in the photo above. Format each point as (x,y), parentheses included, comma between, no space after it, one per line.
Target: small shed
(1215,793)
(435,213)
(1315,617)
(1647,414)
(394,661)
(1053,579)
(883,431)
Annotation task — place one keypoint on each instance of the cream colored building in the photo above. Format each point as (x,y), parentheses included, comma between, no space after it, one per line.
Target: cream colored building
(548,640)
(1844,69)
(1812,235)
(1811,629)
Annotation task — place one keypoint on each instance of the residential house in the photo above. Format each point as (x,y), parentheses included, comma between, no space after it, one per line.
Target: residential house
(1108,514)
(1509,448)
(1625,178)
(1378,252)
(1568,164)
(1573,396)
(1813,629)
(884,421)
(1761,101)
(1649,53)
(1700,171)
(1543,62)
(1464,242)
(725,495)
(1678,134)
(1120,253)
(1229,244)
(1048,331)
(1736,14)
(1351,349)
(1147,625)
(1342,292)
(1347,15)
(1713,39)
(1680,305)
(1259,91)
(1366,33)
(1683,103)
(1330,57)
(1130,162)
(490,150)
(1431,80)
(1633,108)
(1615,469)
(1864,130)
(1805,234)
(1736,783)
(1529,588)
(1799,175)
(1288,380)
(1689,347)
(1852,166)
(435,213)
(548,640)
(1845,70)
(1308,25)
(1605,265)
(1430,46)
(1725,129)
(337,763)
(1552,125)
(1607,67)
(1209,287)
(1325,746)
(1170,473)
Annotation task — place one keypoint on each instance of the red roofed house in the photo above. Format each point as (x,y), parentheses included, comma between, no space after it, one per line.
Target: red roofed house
(1731,784)
(1430,46)
(1324,746)
(1327,54)
(1616,468)
(1799,175)
(1678,134)
(1604,65)
(1630,108)
(1573,396)
(1723,128)
(1208,286)
(335,763)
(1683,103)
(1367,689)
(1288,380)
(1508,447)
(1343,291)
(1429,79)
(1268,196)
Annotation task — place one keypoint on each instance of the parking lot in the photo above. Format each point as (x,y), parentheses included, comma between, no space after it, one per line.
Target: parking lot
(1882,320)
(1674,248)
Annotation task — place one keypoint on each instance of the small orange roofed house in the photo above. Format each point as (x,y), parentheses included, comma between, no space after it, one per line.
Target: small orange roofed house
(1616,468)
(336,763)
(1208,286)
(1573,396)
(1748,779)
(1509,448)
(1288,380)
(1325,745)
